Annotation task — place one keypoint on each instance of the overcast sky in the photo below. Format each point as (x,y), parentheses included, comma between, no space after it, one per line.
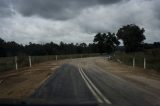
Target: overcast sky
(40,21)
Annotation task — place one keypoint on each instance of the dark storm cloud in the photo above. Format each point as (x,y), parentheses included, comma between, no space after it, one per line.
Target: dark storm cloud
(56,9)
(3,3)
(4,8)
(79,20)
(157,9)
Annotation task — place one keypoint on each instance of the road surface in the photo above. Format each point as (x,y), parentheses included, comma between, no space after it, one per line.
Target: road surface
(80,82)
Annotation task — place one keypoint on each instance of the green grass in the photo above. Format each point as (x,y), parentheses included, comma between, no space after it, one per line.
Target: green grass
(8,63)
(152,58)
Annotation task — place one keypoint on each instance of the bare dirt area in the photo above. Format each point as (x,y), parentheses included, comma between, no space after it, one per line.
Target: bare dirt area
(147,79)
(21,83)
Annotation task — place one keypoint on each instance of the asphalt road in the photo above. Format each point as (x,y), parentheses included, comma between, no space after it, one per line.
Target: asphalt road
(80,83)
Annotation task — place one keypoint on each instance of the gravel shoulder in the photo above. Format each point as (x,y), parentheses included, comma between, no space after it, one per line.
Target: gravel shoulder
(21,84)
(146,79)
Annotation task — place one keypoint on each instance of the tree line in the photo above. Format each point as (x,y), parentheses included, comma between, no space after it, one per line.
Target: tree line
(131,35)
(13,49)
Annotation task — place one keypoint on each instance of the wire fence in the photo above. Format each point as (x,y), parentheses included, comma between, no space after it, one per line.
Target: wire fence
(17,62)
(147,61)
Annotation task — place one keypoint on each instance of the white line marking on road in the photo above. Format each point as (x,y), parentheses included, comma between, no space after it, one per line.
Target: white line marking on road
(93,88)
(96,89)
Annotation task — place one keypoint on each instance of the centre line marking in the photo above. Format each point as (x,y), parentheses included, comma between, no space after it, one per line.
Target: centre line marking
(91,89)
(95,91)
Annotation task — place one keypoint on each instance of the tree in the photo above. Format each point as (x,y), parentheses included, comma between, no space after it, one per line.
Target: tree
(2,47)
(111,42)
(132,37)
(100,40)
(156,44)
(106,43)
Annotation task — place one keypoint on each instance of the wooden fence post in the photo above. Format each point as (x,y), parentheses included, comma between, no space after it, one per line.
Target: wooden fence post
(144,63)
(16,63)
(133,62)
(30,61)
(56,58)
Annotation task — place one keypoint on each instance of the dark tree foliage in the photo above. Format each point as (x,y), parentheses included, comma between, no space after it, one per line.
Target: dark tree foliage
(2,47)
(14,49)
(132,37)
(106,42)
(151,46)
(100,40)
(156,44)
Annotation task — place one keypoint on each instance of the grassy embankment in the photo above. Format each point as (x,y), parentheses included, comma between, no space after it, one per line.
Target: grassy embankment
(152,58)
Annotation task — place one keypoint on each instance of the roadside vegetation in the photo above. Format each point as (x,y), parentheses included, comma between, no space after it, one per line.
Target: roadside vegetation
(8,63)
(136,52)
(108,43)
(152,57)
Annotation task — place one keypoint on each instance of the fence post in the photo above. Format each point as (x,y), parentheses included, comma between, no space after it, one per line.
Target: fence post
(56,57)
(30,61)
(144,63)
(16,63)
(133,62)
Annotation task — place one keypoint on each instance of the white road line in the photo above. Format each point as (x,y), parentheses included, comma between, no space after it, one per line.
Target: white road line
(96,89)
(91,89)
